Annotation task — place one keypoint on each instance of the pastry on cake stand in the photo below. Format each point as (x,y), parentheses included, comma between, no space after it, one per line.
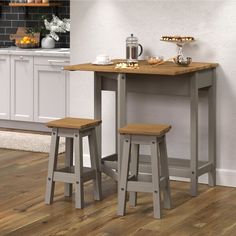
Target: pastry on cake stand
(180,41)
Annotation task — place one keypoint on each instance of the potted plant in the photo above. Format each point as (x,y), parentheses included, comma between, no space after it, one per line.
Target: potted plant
(54,26)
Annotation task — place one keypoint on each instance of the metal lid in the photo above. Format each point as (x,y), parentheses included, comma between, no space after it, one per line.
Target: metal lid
(131,39)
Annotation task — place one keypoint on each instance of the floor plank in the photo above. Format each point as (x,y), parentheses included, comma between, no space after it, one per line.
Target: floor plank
(23,212)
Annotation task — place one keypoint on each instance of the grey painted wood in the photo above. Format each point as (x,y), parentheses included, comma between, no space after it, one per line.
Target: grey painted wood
(138,84)
(98,109)
(184,85)
(155,179)
(76,174)
(177,166)
(50,185)
(212,129)
(136,182)
(88,174)
(68,163)
(69,133)
(206,168)
(144,139)
(204,78)
(140,186)
(110,171)
(157,84)
(134,171)
(79,186)
(164,167)
(95,164)
(121,112)
(122,186)
(64,177)
(194,133)
(67,175)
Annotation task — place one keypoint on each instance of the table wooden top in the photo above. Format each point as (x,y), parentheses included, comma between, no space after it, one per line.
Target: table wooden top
(168,68)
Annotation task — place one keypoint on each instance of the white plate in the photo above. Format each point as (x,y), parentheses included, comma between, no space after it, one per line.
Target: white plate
(102,64)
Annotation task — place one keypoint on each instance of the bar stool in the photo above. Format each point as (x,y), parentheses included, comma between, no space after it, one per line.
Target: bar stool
(73,129)
(130,179)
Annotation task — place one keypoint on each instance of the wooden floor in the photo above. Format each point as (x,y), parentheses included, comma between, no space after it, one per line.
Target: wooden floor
(23,212)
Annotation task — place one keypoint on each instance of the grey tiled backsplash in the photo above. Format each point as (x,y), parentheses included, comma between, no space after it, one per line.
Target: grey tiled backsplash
(13,17)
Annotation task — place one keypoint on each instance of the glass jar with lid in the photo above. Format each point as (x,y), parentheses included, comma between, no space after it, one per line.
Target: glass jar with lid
(132,49)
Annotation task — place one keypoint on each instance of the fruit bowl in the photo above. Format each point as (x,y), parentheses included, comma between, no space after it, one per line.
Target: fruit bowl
(24,39)
(27,42)
(19,45)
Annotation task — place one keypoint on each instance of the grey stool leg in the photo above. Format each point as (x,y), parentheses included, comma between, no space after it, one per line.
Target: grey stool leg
(79,189)
(134,171)
(156,179)
(164,166)
(52,166)
(95,165)
(124,176)
(68,163)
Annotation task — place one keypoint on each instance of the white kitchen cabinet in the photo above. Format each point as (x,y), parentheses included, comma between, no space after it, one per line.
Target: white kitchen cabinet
(34,88)
(50,89)
(5,87)
(22,72)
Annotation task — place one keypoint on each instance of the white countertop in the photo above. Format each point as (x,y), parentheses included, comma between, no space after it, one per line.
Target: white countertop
(58,52)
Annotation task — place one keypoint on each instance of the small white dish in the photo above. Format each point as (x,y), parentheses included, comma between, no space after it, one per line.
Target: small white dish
(102,63)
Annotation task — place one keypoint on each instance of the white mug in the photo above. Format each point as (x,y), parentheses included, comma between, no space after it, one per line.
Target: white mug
(103,59)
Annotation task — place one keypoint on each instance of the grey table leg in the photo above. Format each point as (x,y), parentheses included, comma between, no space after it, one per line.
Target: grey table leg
(194,133)
(212,128)
(121,113)
(98,111)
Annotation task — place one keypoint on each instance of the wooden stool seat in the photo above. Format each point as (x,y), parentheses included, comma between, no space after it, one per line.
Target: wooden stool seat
(145,129)
(73,123)
(74,129)
(130,179)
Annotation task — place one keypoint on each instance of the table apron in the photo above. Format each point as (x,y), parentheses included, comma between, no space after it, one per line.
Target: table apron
(157,84)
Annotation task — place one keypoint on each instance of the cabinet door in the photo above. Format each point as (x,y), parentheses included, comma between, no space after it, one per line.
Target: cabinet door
(5,87)
(22,88)
(50,97)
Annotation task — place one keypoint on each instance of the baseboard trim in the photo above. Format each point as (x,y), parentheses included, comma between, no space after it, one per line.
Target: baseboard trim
(224,177)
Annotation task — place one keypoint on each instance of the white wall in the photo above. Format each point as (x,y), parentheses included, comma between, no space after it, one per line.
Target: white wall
(102,26)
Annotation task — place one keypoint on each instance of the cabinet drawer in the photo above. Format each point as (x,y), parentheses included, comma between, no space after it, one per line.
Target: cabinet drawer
(3,58)
(22,58)
(53,61)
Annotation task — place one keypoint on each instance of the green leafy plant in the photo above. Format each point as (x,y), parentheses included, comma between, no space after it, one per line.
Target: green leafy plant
(40,29)
(32,30)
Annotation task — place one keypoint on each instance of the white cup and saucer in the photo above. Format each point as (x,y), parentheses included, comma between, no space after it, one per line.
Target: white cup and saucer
(103,60)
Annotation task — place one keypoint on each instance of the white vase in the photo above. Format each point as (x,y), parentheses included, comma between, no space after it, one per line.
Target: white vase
(48,42)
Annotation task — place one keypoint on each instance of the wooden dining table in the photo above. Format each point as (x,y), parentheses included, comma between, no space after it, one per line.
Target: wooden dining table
(164,79)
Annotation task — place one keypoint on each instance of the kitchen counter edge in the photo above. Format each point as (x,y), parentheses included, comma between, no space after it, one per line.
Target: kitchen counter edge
(58,52)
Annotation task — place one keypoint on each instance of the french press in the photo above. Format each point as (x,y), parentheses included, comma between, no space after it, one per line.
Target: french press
(132,49)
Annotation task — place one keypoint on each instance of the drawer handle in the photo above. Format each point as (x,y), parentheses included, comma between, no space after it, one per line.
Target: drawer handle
(23,58)
(58,61)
